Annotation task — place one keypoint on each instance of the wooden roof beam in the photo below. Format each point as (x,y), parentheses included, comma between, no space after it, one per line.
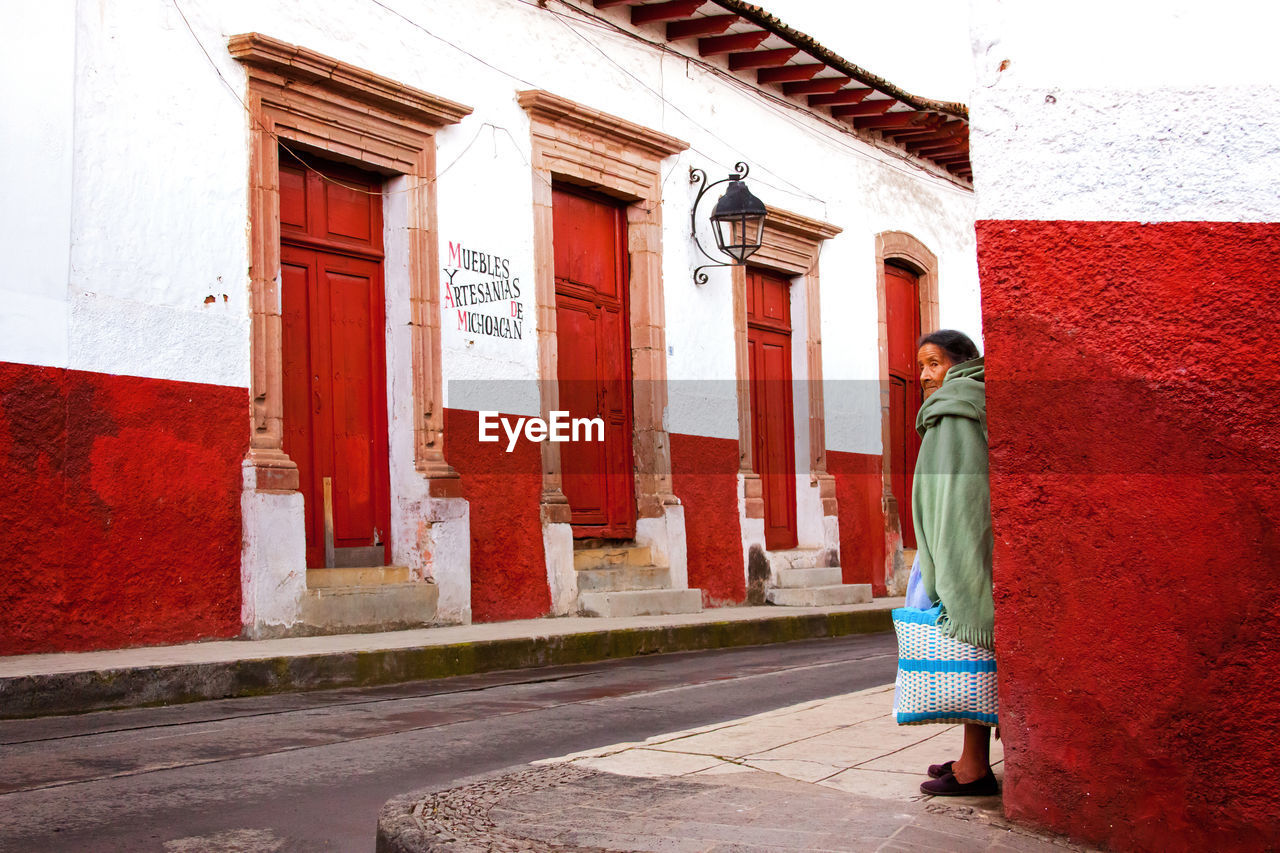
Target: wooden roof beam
(761,58)
(608,4)
(910,121)
(864,108)
(932,137)
(728,44)
(844,96)
(815,87)
(788,73)
(694,27)
(940,149)
(672,10)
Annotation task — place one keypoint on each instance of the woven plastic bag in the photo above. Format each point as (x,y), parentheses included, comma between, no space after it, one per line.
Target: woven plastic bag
(940,679)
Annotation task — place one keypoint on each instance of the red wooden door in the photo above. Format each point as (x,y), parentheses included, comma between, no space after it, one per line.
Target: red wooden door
(334,346)
(594,345)
(902,303)
(772,425)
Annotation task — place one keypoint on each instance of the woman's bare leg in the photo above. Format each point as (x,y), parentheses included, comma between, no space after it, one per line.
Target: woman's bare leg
(975,758)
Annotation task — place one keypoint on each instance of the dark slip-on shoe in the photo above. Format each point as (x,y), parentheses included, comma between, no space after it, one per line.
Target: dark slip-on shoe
(937,771)
(949,786)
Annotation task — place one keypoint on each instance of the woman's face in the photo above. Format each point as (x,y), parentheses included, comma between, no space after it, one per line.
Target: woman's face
(934,365)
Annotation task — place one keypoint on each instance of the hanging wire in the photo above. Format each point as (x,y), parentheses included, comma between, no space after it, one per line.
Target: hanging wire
(585,18)
(783,107)
(298,157)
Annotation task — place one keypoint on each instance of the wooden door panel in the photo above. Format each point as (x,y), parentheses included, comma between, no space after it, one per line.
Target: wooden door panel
(587,250)
(772,420)
(353,409)
(902,307)
(333,317)
(577,338)
(348,212)
(301,403)
(594,373)
(293,198)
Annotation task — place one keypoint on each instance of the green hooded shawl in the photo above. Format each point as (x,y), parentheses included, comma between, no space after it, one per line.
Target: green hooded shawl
(951,501)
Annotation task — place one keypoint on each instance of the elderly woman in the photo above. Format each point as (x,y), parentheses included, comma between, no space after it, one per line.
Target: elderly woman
(951,501)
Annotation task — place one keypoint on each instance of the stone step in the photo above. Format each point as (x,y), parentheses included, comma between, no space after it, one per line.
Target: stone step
(371,576)
(623,577)
(357,609)
(799,558)
(640,602)
(585,559)
(820,596)
(798,578)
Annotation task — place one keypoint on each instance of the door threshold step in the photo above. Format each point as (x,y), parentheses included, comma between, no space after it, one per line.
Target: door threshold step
(380,607)
(801,558)
(360,576)
(623,578)
(798,578)
(820,596)
(640,602)
(615,556)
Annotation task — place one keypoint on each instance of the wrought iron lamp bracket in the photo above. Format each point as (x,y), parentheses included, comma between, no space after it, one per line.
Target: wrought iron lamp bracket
(699,176)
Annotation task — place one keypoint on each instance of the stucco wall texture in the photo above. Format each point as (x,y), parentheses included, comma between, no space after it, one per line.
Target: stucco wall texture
(1132,373)
(120,515)
(508,563)
(859,487)
(705,479)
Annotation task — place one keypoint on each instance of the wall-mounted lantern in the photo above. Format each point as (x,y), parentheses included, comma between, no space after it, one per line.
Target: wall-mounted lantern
(737,220)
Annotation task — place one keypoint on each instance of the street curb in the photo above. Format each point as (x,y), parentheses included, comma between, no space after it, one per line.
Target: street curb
(171,684)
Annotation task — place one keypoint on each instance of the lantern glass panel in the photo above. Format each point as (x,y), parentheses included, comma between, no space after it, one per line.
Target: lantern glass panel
(739,237)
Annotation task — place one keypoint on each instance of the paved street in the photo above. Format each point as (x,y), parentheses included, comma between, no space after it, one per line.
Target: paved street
(832,775)
(310,771)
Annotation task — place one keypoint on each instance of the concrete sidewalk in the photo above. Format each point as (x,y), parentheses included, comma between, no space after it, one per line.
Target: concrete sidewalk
(836,774)
(33,685)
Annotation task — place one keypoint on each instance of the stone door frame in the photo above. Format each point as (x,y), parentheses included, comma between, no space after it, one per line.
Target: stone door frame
(583,146)
(905,249)
(791,245)
(301,97)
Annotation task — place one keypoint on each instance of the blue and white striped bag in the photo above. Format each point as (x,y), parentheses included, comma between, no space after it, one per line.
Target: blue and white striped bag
(940,679)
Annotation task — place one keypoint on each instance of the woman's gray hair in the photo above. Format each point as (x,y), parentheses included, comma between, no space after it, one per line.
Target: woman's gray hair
(957,346)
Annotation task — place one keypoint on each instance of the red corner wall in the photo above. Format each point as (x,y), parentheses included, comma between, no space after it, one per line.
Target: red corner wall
(508,563)
(859,487)
(1132,377)
(120,512)
(705,479)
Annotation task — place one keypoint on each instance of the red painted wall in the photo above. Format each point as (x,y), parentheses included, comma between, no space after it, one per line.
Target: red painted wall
(120,512)
(508,563)
(705,479)
(859,486)
(1132,374)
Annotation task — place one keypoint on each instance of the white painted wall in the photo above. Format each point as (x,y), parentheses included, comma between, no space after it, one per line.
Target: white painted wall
(37,99)
(155,145)
(1126,112)
(127,223)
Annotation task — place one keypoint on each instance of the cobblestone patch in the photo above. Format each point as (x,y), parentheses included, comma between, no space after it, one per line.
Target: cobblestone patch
(458,820)
(565,808)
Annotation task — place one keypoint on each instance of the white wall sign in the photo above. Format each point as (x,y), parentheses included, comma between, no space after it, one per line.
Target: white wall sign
(481,292)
